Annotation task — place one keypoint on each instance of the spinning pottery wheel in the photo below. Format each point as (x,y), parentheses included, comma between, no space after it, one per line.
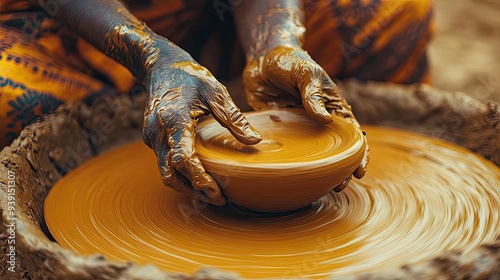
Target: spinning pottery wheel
(47,150)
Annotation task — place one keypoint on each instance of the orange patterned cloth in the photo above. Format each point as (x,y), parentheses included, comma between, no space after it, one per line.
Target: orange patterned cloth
(42,65)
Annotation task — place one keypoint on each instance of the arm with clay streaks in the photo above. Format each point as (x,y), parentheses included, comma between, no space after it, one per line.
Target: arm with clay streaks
(180,90)
(111,28)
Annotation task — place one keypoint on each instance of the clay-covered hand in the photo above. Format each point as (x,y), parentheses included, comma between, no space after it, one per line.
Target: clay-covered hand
(286,76)
(180,91)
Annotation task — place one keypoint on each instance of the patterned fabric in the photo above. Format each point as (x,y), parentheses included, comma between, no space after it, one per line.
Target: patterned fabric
(43,65)
(370,40)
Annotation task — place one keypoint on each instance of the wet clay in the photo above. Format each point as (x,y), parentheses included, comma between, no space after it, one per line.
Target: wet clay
(295,152)
(420,198)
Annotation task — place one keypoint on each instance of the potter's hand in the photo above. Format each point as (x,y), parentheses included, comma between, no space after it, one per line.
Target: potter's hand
(180,91)
(279,73)
(288,77)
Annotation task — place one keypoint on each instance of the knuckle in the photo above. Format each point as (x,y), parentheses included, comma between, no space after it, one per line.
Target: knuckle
(166,176)
(178,159)
(236,116)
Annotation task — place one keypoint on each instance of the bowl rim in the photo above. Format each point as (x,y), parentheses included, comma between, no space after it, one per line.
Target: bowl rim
(359,144)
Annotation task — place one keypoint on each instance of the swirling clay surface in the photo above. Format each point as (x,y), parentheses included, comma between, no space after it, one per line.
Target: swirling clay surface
(419,198)
(297,162)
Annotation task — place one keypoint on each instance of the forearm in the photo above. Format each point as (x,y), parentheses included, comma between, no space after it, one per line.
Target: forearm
(112,29)
(264,24)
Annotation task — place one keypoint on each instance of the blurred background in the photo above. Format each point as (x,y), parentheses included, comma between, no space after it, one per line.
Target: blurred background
(465,53)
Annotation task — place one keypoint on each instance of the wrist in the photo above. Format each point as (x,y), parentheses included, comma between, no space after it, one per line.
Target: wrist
(281,26)
(159,56)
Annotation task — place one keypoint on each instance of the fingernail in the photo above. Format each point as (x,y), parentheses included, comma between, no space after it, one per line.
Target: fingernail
(211,192)
(325,115)
(322,115)
(316,108)
(251,136)
(252,133)
(220,201)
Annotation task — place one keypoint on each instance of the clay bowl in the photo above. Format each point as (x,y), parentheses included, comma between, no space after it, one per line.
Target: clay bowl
(297,162)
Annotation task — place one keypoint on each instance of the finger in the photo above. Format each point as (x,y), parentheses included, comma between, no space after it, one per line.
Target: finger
(261,98)
(312,96)
(342,185)
(334,102)
(174,180)
(170,177)
(182,157)
(361,170)
(156,139)
(229,116)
